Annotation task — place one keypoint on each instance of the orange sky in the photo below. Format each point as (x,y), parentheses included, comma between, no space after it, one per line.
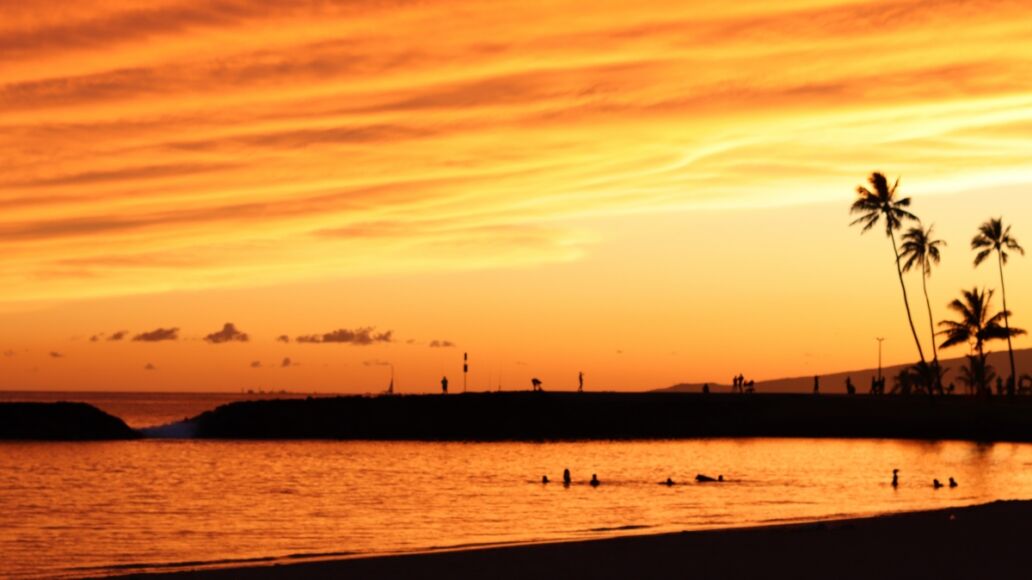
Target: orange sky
(649,192)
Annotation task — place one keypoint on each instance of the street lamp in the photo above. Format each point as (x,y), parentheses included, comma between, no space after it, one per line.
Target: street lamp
(880,341)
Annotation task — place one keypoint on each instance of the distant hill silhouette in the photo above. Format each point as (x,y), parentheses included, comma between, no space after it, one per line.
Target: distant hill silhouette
(835,383)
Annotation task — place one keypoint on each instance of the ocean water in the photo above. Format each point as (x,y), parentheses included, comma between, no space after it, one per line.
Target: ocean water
(89,509)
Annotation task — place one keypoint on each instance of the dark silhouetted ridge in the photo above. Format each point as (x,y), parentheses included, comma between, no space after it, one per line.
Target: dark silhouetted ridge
(540,416)
(60,422)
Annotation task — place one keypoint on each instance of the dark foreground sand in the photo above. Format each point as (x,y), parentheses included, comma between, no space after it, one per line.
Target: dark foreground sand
(988,541)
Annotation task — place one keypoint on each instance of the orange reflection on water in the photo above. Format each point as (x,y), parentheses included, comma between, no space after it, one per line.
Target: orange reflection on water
(72,509)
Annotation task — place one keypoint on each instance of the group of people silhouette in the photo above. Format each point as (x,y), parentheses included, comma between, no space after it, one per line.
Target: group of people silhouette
(740,385)
(936,484)
(535,384)
(568,480)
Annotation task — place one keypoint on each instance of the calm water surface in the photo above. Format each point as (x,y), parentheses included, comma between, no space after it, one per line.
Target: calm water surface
(72,509)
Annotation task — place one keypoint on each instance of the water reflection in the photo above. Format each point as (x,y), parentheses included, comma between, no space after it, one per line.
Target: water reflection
(123,503)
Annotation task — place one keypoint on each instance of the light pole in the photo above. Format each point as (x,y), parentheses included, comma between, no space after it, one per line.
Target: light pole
(880,341)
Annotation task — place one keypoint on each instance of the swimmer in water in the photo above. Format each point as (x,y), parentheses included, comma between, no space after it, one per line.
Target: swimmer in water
(594,480)
(544,479)
(566,477)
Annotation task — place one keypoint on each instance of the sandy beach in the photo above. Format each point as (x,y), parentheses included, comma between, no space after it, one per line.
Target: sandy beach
(986,541)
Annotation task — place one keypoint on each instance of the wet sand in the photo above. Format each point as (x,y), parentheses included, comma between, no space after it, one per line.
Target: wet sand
(987,541)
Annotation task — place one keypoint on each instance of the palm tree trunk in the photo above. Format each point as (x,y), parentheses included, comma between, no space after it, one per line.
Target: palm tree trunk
(931,321)
(937,379)
(983,379)
(1006,324)
(906,300)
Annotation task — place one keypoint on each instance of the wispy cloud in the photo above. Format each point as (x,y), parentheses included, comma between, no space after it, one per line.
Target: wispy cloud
(441,344)
(130,171)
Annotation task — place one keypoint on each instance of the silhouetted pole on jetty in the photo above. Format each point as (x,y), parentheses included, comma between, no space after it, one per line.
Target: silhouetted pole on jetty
(880,341)
(390,388)
(465,369)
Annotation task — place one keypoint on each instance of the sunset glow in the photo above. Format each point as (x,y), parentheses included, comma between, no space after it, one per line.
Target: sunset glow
(650,193)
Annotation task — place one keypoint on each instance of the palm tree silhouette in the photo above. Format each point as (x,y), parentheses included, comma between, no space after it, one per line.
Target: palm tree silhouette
(874,204)
(977,374)
(919,248)
(976,325)
(994,237)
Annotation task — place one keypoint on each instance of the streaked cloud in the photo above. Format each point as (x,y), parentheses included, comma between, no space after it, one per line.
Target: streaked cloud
(441,344)
(159,148)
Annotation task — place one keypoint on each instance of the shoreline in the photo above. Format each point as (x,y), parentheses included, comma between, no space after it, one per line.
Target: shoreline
(980,541)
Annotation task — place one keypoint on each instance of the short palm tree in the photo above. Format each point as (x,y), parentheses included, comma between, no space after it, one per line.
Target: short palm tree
(976,325)
(877,203)
(994,237)
(920,248)
(977,375)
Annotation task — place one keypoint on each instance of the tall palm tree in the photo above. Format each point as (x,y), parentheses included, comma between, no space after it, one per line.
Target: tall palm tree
(976,325)
(994,237)
(875,204)
(921,249)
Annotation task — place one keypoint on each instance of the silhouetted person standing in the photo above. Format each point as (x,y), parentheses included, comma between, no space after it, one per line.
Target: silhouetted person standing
(580,382)
(850,389)
(444,385)
(895,478)
(705,389)
(816,385)
(535,384)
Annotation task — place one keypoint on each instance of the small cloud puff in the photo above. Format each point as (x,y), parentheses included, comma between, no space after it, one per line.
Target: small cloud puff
(376,363)
(229,333)
(256,364)
(150,367)
(115,336)
(158,335)
(283,338)
(55,354)
(287,363)
(441,344)
(363,336)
